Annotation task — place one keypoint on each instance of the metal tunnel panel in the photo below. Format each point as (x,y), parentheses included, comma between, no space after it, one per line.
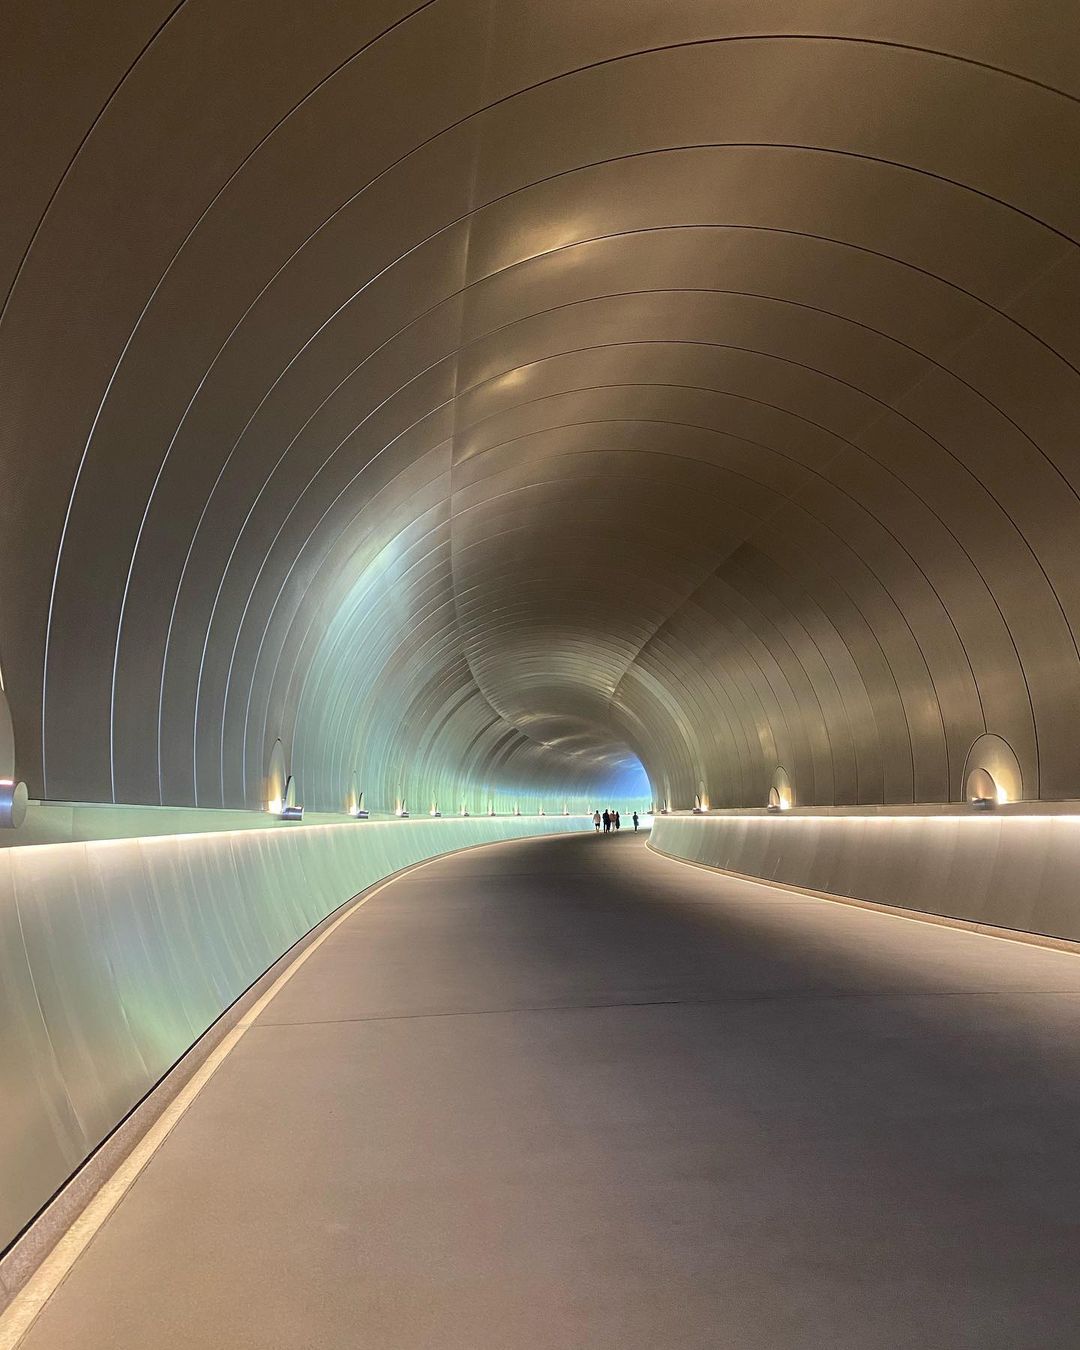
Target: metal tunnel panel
(483,398)
(117,955)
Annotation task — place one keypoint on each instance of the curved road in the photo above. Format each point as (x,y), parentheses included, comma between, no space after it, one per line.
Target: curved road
(565,1094)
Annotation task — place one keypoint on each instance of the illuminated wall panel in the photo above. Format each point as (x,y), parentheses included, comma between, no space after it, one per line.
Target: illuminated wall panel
(481,399)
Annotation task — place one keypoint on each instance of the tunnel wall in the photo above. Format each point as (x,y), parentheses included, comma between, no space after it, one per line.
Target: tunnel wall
(1005,869)
(116,956)
(472,395)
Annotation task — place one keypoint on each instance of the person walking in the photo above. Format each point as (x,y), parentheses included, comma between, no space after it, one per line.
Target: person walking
(618,823)
(596,820)
(607,820)
(635,819)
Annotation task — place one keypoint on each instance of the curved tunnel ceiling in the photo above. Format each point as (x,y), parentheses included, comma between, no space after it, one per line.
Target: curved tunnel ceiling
(485,395)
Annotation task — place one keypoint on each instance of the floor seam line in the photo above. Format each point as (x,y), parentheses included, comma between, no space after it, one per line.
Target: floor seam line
(675,1003)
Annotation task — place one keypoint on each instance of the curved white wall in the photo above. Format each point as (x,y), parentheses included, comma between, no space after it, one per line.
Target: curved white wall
(1015,869)
(116,955)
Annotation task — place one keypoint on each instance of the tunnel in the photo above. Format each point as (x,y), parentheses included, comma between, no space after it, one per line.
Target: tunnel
(425,424)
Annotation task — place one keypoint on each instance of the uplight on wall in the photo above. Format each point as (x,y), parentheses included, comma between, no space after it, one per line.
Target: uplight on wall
(354,803)
(781,794)
(13,794)
(401,809)
(13,802)
(983,793)
(434,810)
(992,774)
(290,808)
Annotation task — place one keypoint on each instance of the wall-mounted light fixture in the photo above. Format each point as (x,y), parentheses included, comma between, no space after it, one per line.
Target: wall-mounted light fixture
(354,802)
(13,794)
(290,808)
(13,800)
(992,774)
(982,790)
(781,794)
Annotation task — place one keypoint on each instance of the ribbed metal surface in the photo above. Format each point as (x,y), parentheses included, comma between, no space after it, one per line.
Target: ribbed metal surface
(477,395)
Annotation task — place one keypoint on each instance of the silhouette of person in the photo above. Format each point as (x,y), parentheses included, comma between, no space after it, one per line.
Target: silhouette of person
(635,819)
(596,820)
(618,823)
(607,820)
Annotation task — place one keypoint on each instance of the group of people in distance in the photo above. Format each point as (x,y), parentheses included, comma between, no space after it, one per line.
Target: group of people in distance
(610,820)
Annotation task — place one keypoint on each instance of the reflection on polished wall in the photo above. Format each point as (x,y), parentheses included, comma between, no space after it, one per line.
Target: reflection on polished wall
(1007,869)
(482,398)
(464,407)
(116,955)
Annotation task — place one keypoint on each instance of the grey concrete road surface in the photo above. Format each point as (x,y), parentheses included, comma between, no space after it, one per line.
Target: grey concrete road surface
(569,1095)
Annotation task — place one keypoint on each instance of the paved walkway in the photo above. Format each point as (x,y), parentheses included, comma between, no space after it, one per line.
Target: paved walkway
(568,1095)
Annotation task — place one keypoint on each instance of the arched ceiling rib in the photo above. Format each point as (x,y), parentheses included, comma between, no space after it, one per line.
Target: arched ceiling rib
(483,396)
